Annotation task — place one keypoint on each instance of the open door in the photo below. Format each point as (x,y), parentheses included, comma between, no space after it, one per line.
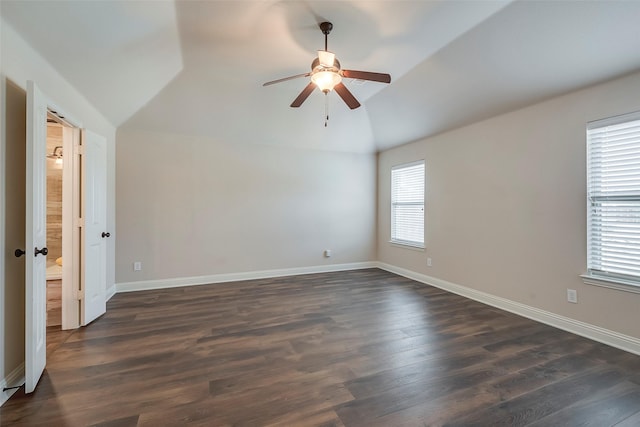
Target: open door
(89,177)
(35,238)
(95,234)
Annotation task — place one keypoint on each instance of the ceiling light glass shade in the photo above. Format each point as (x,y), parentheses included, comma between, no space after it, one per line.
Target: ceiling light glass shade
(326,58)
(326,80)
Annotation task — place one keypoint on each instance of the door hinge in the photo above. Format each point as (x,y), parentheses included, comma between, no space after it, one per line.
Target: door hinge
(79,223)
(78,150)
(80,295)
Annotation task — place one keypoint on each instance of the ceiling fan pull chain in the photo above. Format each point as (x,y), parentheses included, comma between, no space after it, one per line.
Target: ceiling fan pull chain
(326,109)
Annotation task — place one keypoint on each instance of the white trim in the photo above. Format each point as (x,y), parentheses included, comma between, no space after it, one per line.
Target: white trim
(408,165)
(595,333)
(110,292)
(413,247)
(611,283)
(15,377)
(235,277)
(615,120)
(67,119)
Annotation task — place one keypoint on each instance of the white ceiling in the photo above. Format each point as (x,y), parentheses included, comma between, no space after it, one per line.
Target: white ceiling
(197,67)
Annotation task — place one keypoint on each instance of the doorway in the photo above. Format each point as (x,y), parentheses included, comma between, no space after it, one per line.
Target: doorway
(75,226)
(55,163)
(54,223)
(57,185)
(83,286)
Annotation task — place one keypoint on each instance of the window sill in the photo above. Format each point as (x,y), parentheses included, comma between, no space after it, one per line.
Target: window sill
(407,246)
(611,283)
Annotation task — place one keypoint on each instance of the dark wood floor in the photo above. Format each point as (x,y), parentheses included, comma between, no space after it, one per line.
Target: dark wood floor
(55,335)
(358,348)
(54,302)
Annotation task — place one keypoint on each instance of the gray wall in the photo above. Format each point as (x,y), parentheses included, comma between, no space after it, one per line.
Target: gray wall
(506,207)
(13,179)
(192,207)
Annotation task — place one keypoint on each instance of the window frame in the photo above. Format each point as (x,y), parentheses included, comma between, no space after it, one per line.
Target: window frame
(409,244)
(594,276)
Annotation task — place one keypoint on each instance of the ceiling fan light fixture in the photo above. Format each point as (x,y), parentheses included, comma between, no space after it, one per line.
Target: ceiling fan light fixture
(326,80)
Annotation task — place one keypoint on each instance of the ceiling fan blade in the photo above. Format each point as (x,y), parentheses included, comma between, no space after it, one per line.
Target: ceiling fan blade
(367,75)
(303,95)
(346,96)
(284,79)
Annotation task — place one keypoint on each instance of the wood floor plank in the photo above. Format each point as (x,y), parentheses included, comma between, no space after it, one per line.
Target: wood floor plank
(54,303)
(353,348)
(425,370)
(531,407)
(632,421)
(604,408)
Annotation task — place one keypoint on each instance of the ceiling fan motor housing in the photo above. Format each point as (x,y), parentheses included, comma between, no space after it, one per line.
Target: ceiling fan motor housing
(315,65)
(326,27)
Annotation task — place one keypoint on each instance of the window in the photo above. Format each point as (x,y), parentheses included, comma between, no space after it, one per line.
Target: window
(407,204)
(613,199)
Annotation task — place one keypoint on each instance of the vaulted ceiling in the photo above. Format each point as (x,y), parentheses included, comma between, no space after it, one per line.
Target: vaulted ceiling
(197,67)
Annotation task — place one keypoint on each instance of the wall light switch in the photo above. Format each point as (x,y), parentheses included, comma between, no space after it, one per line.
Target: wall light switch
(137,266)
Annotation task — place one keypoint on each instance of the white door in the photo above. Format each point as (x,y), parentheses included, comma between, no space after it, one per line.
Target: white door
(36,238)
(94,187)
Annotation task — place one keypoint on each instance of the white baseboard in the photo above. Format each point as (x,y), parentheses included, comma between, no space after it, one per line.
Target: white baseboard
(595,333)
(15,377)
(111,292)
(235,277)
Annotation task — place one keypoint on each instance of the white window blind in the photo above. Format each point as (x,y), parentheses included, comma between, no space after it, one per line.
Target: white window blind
(613,197)
(407,204)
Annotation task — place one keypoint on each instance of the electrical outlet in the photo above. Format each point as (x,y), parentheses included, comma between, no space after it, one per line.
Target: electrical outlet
(327,253)
(572,296)
(428,262)
(137,266)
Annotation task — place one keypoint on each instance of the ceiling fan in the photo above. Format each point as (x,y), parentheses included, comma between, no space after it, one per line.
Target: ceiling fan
(327,75)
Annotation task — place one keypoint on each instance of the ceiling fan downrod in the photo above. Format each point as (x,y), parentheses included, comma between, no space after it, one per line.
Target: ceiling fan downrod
(326,28)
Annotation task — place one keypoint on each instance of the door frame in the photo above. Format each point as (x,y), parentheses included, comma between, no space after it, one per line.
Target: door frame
(73,238)
(71,208)
(71,265)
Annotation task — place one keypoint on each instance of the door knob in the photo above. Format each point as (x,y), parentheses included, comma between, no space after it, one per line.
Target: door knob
(43,251)
(18,253)
(105,234)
